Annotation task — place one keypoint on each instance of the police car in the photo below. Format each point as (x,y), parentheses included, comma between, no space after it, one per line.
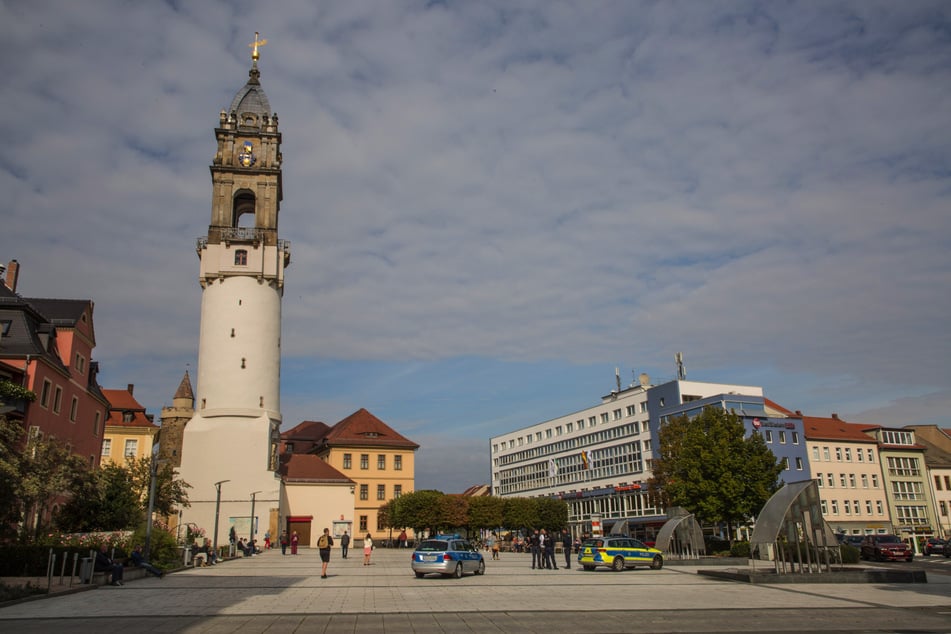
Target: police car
(618,553)
(447,555)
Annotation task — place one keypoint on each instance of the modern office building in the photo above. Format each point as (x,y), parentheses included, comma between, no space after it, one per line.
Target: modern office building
(599,459)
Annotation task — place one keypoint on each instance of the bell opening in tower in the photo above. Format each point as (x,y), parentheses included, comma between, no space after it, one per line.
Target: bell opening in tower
(243,210)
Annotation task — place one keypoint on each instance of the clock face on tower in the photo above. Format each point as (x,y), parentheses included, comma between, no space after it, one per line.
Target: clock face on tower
(246,157)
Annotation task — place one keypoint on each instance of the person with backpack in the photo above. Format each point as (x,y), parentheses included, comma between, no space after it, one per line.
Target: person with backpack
(324,543)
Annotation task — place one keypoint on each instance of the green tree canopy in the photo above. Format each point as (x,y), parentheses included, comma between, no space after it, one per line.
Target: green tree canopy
(485,511)
(710,468)
(47,468)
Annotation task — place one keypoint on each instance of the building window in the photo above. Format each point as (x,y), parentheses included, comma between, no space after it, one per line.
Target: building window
(80,363)
(795,438)
(835,507)
(364,461)
(852,480)
(364,491)
(107,446)
(381,491)
(241,257)
(782,437)
(798,464)
(768,435)
(830,480)
(860,455)
(786,464)
(128,417)
(825,454)
(57,399)
(569,427)
(630,410)
(838,454)
(131,447)
(363,523)
(864,479)
(815,454)
(381,462)
(846,507)
(937,483)
(347,461)
(379,523)
(871,455)
(397,463)
(397,490)
(617,414)
(825,509)
(592,421)
(97,424)
(944,508)
(45,394)
(842,480)
(868,507)
(879,508)
(848,454)
(604,417)
(580,425)
(819,480)
(874,480)
(73,409)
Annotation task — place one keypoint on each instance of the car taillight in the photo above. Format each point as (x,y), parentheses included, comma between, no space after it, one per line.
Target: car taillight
(446,557)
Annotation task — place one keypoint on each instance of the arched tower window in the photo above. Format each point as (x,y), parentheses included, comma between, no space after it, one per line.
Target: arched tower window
(243,209)
(241,257)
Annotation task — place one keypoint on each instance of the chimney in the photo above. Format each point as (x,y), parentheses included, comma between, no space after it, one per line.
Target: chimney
(798,413)
(835,416)
(13,273)
(131,387)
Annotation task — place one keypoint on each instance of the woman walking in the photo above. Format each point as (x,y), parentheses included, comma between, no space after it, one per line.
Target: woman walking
(294,540)
(367,549)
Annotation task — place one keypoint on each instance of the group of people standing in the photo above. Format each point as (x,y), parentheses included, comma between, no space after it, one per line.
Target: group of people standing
(541,543)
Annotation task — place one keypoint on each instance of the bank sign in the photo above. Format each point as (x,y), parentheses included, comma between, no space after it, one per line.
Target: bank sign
(759,422)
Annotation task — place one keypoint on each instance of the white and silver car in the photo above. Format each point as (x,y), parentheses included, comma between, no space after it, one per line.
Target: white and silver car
(448,556)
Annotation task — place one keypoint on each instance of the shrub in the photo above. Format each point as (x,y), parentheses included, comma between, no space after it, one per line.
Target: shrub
(740,549)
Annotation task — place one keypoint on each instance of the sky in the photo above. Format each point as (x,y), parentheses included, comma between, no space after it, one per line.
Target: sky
(492,205)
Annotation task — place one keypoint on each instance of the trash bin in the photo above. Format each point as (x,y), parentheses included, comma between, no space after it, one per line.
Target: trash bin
(86,569)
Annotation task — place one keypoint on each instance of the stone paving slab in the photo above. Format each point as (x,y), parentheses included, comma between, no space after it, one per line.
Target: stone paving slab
(277,593)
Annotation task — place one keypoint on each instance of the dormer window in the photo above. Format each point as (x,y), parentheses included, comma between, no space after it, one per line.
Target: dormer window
(127,417)
(241,257)
(371,434)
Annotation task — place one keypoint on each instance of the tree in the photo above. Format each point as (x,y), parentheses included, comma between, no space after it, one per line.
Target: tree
(170,492)
(419,509)
(552,514)
(485,511)
(520,513)
(453,512)
(47,469)
(10,465)
(710,468)
(101,500)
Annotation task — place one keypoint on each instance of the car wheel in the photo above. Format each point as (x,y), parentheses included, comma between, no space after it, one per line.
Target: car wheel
(420,575)
(481,569)
(458,571)
(618,564)
(658,563)
(588,568)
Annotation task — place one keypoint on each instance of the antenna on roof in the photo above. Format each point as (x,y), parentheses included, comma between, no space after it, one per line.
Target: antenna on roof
(681,370)
(617,378)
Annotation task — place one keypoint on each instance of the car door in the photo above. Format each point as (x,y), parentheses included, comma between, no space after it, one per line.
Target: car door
(640,552)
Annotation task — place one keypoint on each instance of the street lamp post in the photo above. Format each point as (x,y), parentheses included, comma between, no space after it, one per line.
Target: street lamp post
(153,473)
(251,539)
(217,508)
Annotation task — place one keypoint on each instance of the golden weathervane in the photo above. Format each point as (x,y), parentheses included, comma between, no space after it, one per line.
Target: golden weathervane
(257,42)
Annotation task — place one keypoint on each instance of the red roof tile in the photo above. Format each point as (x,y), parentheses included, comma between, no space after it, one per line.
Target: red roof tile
(121,401)
(364,429)
(309,468)
(835,429)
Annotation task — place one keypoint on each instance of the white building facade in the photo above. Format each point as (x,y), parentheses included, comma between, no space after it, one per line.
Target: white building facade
(598,459)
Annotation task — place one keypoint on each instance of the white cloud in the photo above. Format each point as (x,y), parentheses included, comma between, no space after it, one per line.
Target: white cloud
(757,184)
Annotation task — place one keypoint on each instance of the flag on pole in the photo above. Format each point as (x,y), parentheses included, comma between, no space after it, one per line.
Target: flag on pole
(552,468)
(584,459)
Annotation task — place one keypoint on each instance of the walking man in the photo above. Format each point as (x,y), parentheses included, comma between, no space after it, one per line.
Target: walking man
(345,544)
(324,543)
(534,544)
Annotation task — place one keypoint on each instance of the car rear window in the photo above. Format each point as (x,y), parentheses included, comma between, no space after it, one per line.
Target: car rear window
(888,539)
(433,545)
(594,543)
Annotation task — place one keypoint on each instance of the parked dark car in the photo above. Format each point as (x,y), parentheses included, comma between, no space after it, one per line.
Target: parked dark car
(935,546)
(885,548)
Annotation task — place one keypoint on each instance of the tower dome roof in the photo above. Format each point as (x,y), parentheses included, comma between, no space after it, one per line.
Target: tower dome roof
(250,104)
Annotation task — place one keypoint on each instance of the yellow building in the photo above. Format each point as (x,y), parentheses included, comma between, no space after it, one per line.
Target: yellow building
(129,432)
(378,462)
